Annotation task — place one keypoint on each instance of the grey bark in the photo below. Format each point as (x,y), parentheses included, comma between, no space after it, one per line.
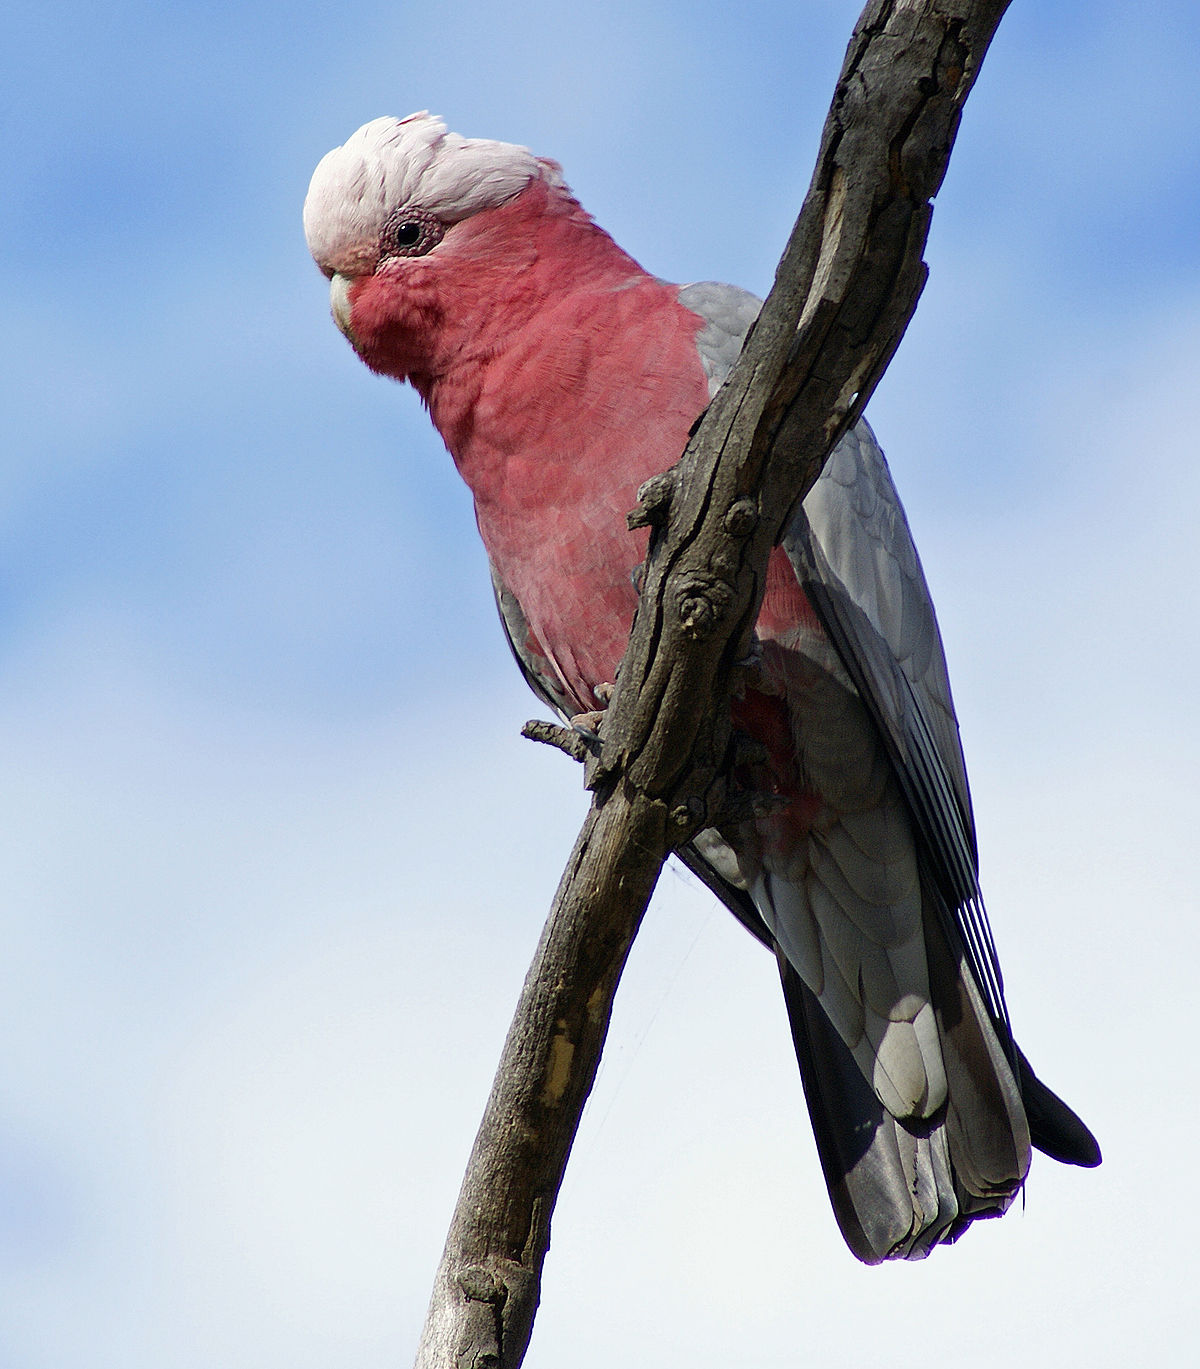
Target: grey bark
(845,290)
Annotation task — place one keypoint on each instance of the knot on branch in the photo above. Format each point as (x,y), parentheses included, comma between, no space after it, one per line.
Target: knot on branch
(478,1285)
(701,602)
(654,502)
(687,817)
(742,518)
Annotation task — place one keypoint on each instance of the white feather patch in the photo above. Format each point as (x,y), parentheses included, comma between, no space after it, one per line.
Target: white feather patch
(415,163)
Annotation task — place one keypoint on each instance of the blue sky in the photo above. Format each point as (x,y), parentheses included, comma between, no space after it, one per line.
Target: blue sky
(275,855)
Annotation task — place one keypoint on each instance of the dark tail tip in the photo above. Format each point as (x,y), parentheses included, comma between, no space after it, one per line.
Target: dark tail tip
(1053,1127)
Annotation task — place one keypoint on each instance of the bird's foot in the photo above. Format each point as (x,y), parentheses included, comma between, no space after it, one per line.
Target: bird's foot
(588,724)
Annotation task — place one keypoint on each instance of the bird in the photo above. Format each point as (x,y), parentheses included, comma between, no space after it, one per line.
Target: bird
(561,375)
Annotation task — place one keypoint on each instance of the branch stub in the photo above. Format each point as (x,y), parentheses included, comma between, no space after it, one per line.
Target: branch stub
(654,502)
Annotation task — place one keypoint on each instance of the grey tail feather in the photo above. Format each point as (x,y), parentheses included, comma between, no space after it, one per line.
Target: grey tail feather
(870,1160)
(899,1188)
(986,1123)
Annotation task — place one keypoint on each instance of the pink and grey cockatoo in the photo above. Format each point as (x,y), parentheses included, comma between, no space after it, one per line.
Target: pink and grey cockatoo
(561,376)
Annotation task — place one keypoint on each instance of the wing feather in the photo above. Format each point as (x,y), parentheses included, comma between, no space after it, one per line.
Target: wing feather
(535,666)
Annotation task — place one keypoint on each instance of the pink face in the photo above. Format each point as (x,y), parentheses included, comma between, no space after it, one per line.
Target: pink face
(387,215)
(418,306)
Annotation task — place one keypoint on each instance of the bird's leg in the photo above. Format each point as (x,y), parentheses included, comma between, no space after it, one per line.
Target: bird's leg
(581,737)
(749,786)
(588,724)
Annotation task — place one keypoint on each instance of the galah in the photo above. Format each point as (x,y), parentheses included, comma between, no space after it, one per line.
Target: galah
(561,376)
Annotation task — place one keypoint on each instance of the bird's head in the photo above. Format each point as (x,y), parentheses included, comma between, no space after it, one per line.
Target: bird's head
(398,200)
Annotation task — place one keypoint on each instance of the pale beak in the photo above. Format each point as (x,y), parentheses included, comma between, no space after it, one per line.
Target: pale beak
(339,302)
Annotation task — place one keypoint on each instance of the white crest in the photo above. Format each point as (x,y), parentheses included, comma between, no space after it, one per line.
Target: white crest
(411,163)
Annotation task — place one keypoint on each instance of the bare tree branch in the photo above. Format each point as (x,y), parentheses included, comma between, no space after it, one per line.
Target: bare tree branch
(845,290)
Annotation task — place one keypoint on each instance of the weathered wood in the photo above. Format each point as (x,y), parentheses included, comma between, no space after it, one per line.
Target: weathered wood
(845,289)
(501,1226)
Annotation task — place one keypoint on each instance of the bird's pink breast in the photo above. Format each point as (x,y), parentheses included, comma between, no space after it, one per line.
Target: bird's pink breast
(561,376)
(598,397)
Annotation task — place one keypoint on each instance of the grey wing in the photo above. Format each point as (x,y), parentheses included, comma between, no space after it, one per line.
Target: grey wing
(728,313)
(898,1187)
(854,555)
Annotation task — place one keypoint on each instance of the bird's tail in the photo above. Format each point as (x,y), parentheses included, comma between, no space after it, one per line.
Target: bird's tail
(900,1187)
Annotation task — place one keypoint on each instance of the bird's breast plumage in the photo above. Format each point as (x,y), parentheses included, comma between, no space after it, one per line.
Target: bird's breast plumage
(561,376)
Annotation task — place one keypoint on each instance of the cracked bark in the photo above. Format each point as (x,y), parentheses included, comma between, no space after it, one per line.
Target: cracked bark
(845,290)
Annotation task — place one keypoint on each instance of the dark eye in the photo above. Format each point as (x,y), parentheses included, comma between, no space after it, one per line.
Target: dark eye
(410,233)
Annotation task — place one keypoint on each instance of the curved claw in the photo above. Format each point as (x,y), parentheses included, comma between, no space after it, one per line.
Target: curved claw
(587,724)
